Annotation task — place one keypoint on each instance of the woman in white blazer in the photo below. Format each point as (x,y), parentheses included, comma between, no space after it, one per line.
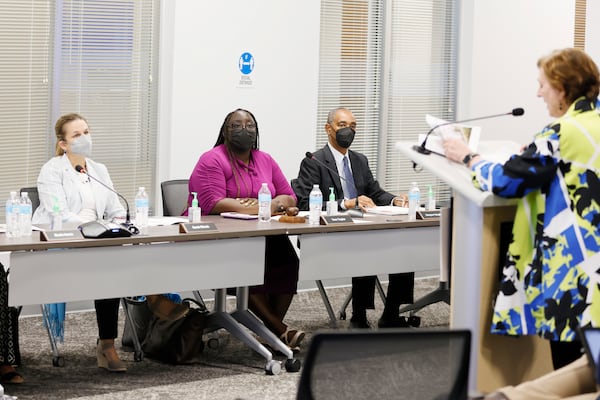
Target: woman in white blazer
(81,200)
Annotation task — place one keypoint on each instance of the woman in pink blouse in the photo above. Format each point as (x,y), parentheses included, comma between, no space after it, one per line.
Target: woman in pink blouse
(228,178)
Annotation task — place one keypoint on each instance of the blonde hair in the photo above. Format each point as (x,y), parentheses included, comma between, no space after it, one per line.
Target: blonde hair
(59,129)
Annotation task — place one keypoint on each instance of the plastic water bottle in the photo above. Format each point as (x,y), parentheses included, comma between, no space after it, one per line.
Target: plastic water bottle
(264,203)
(12,215)
(430,199)
(141,210)
(414,197)
(25,212)
(315,205)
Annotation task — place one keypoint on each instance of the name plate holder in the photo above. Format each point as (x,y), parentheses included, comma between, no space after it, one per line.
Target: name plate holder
(429,214)
(51,236)
(336,219)
(198,227)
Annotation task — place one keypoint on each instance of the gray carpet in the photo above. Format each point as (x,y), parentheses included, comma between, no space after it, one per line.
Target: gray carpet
(230,372)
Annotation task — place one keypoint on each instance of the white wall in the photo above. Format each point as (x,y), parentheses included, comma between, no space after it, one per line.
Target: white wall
(203,41)
(500,44)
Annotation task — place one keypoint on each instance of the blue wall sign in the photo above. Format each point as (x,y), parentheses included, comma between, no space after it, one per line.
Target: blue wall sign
(246,63)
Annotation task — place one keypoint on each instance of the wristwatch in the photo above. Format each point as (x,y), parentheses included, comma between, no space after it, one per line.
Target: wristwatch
(468,158)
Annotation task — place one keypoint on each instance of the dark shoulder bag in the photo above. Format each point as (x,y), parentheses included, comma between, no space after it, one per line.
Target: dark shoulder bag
(176,342)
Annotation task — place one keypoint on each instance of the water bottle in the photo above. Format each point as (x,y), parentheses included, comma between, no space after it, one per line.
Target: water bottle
(264,203)
(12,215)
(141,210)
(25,212)
(414,197)
(430,199)
(315,205)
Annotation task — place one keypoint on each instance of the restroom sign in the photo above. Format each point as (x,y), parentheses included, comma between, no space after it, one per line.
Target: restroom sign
(246,63)
(246,66)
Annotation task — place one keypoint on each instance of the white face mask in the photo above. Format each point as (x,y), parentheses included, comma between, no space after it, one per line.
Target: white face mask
(82,145)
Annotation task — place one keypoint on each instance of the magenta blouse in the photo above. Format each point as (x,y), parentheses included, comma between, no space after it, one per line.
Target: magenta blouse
(213,178)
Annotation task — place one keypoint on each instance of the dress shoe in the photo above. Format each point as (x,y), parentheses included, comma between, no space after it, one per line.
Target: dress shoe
(396,321)
(109,363)
(359,323)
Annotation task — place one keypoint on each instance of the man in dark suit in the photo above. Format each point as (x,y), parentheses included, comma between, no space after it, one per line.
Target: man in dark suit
(359,189)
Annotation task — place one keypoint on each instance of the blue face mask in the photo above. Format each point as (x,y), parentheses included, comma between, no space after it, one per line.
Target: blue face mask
(82,145)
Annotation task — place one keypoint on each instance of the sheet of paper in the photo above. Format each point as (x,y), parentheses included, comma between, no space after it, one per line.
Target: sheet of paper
(388,210)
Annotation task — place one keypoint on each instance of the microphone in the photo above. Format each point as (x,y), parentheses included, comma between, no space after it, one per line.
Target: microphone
(515,112)
(127,224)
(353,212)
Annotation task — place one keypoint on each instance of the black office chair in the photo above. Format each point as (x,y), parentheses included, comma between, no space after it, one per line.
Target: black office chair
(174,197)
(387,364)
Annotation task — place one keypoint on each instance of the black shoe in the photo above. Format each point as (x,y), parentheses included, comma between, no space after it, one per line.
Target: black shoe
(394,322)
(359,323)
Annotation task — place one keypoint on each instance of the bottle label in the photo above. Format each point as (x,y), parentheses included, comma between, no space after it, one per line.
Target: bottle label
(26,209)
(315,201)
(139,203)
(263,197)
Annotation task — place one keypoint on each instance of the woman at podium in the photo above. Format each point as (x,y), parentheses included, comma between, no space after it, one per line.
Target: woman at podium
(550,279)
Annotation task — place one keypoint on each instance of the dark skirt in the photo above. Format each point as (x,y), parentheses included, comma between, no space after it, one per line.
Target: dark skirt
(281,267)
(9,336)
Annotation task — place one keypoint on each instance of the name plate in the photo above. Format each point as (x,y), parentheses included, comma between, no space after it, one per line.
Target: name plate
(48,236)
(198,227)
(429,214)
(337,219)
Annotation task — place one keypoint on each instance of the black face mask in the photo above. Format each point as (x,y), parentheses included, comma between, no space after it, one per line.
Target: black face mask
(242,141)
(344,137)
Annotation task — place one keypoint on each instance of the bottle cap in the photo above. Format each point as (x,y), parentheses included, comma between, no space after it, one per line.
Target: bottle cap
(195,200)
(331,194)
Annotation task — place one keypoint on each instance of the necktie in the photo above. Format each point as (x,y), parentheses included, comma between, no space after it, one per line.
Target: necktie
(350,188)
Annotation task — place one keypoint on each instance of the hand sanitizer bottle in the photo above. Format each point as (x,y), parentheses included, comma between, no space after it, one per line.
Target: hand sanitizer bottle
(194,212)
(55,217)
(430,199)
(332,203)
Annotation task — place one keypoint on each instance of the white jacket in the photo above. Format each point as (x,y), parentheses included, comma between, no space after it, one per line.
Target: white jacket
(59,182)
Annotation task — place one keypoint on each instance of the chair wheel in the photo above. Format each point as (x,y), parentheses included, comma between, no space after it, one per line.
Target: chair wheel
(343,315)
(213,343)
(138,356)
(58,361)
(293,365)
(273,368)
(414,321)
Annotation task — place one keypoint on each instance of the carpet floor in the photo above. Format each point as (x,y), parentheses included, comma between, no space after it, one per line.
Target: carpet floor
(232,371)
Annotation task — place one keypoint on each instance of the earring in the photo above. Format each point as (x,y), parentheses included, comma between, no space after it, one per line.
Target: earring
(560,106)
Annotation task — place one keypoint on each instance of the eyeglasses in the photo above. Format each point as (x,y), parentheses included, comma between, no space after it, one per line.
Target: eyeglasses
(250,127)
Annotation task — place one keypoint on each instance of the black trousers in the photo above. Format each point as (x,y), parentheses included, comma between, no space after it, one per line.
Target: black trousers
(107,317)
(400,291)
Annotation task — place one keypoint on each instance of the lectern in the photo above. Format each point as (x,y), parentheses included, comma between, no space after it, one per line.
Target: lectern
(478,217)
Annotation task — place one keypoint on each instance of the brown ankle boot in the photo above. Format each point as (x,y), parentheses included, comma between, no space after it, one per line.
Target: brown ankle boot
(108,358)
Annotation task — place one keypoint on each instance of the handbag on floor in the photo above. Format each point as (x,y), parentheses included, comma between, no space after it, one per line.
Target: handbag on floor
(176,341)
(9,324)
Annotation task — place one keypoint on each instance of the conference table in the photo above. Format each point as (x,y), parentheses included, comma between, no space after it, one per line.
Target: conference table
(229,255)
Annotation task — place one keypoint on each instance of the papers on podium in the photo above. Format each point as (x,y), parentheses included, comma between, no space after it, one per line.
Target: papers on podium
(470,134)
(387,210)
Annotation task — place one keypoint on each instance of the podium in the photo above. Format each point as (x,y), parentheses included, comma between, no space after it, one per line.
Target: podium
(478,219)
